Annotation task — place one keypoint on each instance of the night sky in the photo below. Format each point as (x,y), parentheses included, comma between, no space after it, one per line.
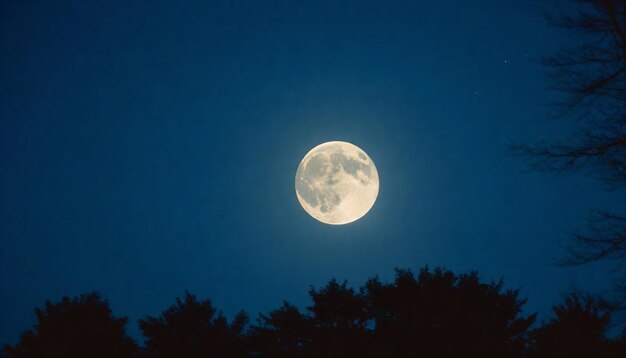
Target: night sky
(148,148)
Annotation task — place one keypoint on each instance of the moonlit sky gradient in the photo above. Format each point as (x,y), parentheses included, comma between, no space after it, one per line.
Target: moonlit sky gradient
(150,147)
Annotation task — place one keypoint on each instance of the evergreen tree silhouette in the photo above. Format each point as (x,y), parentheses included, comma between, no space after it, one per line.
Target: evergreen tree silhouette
(442,314)
(578,330)
(432,314)
(75,327)
(192,328)
(436,314)
(335,326)
(285,332)
(339,319)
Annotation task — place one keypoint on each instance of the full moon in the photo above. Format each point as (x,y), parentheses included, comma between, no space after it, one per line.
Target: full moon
(337,183)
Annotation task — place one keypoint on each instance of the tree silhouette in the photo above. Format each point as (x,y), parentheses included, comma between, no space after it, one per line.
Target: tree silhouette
(439,313)
(285,332)
(335,326)
(436,313)
(339,318)
(432,314)
(578,330)
(192,328)
(76,327)
(592,77)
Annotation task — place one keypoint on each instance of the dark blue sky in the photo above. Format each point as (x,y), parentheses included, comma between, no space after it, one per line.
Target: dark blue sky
(149,148)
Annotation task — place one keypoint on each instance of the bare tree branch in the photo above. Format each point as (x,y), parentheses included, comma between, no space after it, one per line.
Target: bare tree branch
(592,78)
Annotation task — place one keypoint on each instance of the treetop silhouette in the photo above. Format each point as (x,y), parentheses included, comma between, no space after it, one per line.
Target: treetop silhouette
(193,328)
(434,313)
(75,327)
